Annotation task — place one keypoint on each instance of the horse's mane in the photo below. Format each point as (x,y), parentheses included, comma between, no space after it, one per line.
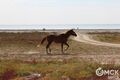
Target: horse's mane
(69,31)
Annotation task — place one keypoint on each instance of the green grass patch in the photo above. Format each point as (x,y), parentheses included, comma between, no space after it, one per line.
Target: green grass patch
(111,37)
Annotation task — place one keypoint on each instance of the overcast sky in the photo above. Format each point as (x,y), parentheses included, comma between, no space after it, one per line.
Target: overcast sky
(17,12)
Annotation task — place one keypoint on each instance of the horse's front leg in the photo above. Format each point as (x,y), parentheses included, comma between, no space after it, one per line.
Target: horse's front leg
(62,48)
(67,46)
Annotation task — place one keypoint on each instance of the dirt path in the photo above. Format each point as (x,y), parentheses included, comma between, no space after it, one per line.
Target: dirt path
(82,37)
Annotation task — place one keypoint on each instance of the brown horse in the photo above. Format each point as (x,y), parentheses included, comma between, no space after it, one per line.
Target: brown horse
(62,38)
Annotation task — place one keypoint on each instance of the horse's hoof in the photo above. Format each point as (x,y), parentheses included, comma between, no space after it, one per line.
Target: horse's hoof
(48,53)
(63,53)
(66,49)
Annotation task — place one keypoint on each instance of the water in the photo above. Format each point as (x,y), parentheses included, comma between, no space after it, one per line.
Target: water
(62,26)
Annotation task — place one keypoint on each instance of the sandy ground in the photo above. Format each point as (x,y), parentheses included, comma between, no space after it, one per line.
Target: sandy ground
(102,59)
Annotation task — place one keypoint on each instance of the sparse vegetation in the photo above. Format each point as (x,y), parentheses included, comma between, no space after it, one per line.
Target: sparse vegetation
(54,70)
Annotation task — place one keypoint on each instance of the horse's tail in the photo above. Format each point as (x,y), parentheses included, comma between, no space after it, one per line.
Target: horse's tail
(43,40)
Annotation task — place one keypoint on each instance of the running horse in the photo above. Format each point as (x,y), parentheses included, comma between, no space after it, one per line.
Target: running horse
(62,38)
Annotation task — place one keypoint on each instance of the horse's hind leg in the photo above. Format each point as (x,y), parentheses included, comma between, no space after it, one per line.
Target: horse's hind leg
(47,47)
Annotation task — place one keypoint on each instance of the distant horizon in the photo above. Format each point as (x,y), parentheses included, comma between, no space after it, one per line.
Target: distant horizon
(67,24)
(61,26)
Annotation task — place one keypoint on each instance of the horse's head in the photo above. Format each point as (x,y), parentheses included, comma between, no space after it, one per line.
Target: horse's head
(71,32)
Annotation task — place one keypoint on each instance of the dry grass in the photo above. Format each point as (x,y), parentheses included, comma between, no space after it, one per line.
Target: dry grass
(111,37)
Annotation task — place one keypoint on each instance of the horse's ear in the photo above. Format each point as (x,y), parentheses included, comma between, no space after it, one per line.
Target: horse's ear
(72,30)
